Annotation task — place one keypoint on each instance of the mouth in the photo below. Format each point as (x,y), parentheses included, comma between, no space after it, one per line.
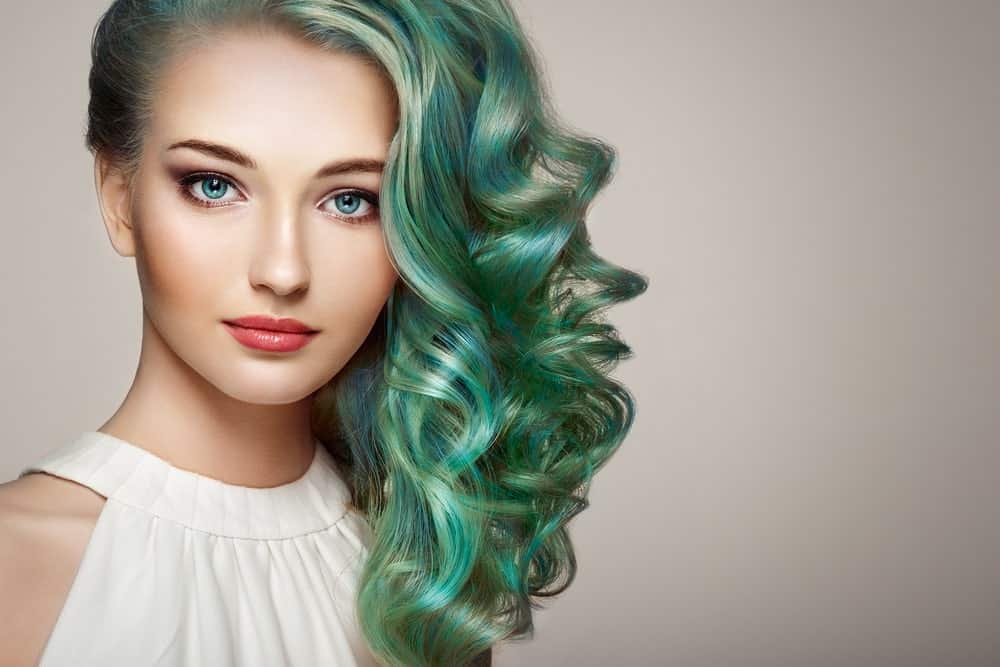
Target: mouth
(269,340)
(272,324)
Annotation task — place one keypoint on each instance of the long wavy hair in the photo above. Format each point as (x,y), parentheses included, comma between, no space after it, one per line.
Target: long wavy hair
(471,421)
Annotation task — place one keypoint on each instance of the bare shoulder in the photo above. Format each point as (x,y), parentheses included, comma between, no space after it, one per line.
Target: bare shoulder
(45,525)
(43,495)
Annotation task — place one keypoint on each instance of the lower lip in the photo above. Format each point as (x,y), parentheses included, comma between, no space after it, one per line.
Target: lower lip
(270,341)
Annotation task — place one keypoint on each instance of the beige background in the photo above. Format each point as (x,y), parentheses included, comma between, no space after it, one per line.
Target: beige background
(812,189)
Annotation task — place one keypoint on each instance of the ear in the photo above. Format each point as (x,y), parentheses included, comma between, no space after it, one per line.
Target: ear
(114,199)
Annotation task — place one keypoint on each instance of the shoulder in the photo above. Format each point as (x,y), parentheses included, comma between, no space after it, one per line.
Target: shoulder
(41,495)
(45,525)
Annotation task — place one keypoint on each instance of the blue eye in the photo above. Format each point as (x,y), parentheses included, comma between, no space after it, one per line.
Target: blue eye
(350,201)
(213,187)
(216,187)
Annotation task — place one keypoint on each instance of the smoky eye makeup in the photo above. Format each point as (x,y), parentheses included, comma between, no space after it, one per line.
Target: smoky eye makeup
(212,189)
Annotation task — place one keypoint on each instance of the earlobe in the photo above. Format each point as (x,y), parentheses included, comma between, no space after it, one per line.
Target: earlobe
(113,198)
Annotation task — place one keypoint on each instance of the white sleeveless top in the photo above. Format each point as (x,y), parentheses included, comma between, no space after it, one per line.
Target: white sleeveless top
(183,569)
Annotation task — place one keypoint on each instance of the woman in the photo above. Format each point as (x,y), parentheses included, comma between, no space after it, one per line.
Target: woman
(373,385)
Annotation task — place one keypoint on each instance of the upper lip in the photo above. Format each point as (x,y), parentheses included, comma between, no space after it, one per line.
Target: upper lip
(269,323)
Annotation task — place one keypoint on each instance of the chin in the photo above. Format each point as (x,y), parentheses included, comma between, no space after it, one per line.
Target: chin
(274,386)
(269,395)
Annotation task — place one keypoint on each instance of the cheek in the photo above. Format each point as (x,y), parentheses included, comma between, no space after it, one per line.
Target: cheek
(358,280)
(179,261)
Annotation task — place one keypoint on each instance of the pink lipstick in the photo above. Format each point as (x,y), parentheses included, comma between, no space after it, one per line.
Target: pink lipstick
(263,332)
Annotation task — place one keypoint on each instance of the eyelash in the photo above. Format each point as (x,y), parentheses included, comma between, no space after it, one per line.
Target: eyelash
(187,180)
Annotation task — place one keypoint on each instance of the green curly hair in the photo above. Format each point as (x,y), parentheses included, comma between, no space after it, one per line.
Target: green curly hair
(471,421)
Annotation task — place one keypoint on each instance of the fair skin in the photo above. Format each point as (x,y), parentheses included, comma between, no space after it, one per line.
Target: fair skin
(280,242)
(277,240)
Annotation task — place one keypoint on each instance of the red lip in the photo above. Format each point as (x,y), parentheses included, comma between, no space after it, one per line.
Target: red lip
(268,323)
(269,341)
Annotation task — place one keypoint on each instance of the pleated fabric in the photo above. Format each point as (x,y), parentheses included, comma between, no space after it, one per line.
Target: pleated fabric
(183,569)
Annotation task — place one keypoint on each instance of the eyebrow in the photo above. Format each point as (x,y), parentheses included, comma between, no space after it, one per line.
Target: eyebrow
(232,155)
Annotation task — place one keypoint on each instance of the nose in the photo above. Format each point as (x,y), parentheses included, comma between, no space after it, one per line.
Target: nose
(279,260)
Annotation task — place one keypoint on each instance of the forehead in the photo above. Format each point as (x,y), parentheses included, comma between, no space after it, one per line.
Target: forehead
(273,94)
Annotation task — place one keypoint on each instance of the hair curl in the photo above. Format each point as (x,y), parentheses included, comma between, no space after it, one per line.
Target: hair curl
(474,416)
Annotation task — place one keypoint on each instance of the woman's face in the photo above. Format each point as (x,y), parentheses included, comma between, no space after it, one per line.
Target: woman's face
(260,227)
